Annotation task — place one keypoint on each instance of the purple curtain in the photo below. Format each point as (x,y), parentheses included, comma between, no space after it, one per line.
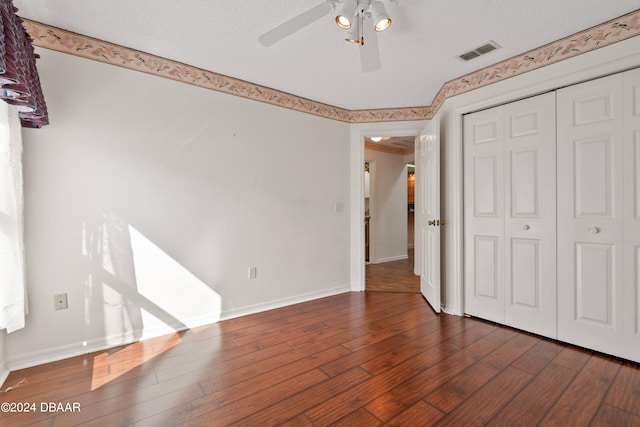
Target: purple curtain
(19,81)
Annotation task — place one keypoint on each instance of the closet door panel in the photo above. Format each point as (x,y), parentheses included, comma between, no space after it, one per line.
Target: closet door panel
(485,185)
(632,278)
(632,214)
(486,275)
(590,215)
(593,108)
(525,183)
(484,214)
(530,211)
(593,177)
(525,273)
(594,283)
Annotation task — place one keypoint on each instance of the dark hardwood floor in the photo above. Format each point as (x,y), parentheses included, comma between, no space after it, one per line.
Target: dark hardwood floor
(354,359)
(393,276)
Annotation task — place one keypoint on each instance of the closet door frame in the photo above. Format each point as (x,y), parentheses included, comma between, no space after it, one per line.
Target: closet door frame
(611,59)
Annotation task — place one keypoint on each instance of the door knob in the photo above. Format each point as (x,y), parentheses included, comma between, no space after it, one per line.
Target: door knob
(432,222)
(594,230)
(526,227)
(442,222)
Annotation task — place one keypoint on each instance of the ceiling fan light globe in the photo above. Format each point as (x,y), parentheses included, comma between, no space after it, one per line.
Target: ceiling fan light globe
(345,12)
(382,24)
(343,22)
(352,36)
(381,19)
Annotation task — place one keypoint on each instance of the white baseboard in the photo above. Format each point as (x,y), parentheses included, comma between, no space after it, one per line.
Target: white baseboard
(54,354)
(389,259)
(27,360)
(449,310)
(257,308)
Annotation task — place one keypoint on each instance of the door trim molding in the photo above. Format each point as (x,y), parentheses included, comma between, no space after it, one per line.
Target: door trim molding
(356,185)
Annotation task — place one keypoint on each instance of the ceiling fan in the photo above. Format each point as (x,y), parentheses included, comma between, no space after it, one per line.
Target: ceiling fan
(350,15)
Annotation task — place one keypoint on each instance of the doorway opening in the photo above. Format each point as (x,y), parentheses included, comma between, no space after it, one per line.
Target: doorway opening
(389,206)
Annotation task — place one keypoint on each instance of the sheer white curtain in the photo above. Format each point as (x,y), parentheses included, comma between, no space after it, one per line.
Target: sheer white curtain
(12,272)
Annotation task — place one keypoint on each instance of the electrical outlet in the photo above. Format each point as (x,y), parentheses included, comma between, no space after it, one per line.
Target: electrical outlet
(253,272)
(60,301)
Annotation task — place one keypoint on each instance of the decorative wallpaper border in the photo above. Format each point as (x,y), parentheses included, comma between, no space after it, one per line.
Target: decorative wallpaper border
(605,34)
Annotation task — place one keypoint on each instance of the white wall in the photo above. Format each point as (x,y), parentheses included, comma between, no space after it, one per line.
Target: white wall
(3,367)
(4,371)
(147,200)
(388,206)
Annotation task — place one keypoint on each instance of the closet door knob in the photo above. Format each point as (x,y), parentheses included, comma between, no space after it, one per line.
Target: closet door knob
(526,227)
(594,230)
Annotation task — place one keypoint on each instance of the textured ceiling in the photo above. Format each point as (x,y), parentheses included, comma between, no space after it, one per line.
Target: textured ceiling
(418,52)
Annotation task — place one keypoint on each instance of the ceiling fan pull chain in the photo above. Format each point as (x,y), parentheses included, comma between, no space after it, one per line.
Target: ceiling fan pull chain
(360,26)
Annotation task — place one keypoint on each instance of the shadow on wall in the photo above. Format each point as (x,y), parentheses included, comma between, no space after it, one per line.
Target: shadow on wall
(133,288)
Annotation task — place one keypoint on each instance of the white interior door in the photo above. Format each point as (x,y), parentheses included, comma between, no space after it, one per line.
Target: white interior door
(632,214)
(484,214)
(430,222)
(510,214)
(530,214)
(590,214)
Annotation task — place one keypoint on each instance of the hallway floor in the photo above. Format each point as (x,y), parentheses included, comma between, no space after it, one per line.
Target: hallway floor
(394,276)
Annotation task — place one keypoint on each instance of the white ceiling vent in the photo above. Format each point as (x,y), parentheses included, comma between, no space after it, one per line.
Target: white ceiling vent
(481,50)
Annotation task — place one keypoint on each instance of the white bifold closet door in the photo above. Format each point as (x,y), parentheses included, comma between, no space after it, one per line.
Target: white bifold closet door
(510,214)
(631,277)
(599,214)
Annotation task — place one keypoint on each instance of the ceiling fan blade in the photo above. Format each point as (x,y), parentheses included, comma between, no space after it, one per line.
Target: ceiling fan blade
(370,52)
(294,24)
